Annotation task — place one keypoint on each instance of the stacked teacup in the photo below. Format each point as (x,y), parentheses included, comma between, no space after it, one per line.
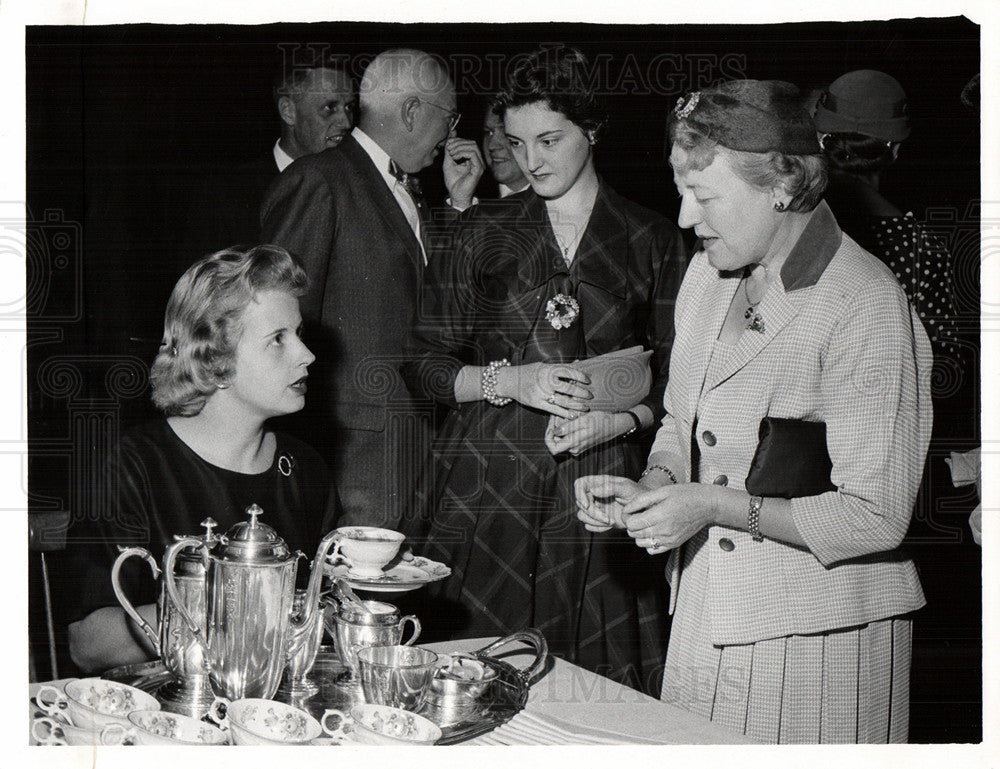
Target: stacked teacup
(92,711)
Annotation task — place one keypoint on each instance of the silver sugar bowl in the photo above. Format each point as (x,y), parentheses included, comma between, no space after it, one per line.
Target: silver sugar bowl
(354,627)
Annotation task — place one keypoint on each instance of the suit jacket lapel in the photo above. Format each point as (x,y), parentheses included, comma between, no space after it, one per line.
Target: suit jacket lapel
(776,310)
(386,204)
(715,315)
(803,267)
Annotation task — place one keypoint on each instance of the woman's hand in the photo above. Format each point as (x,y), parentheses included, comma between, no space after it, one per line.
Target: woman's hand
(550,387)
(601,500)
(591,429)
(667,517)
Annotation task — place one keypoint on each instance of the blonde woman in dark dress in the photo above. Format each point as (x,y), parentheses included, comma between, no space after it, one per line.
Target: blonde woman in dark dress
(231,358)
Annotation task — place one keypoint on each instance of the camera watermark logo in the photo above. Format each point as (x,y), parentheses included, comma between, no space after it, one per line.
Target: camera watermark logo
(49,249)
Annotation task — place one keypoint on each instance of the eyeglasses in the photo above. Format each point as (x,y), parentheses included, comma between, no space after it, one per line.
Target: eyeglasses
(453,116)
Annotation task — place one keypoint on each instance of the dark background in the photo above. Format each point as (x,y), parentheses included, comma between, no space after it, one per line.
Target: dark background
(124,121)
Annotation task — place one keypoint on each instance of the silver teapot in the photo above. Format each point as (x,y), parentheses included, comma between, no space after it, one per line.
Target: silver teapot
(189,693)
(249,590)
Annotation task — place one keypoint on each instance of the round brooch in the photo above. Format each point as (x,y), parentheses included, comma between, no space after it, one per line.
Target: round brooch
(561,311)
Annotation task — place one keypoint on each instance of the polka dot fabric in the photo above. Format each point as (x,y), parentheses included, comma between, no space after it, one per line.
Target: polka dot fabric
(923,266)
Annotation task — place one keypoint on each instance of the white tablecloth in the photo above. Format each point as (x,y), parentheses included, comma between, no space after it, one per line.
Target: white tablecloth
(571,700)
(576,696)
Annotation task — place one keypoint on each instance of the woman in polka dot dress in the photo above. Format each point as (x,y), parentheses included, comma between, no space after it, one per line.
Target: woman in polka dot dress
(861,120)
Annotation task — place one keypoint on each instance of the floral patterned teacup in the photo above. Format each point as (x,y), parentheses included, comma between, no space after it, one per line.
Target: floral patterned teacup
(46,730)
(92,703)
(383,725)
(366,549)
(266,722)
(158,727)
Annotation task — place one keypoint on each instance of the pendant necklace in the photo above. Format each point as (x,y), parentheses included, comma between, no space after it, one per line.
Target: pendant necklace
(565,246)
(754,321)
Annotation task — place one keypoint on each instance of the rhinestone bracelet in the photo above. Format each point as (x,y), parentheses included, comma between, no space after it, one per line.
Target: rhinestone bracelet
(663,468)
(490,383)
(753,518)
(637,424)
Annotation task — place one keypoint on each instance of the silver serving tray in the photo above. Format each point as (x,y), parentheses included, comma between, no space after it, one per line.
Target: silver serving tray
(502,700)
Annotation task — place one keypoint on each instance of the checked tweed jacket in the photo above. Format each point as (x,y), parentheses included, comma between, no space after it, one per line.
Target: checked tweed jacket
(841,345)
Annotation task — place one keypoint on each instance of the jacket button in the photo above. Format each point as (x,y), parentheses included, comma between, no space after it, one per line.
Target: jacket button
(709,437)
(727,544)
(721,480)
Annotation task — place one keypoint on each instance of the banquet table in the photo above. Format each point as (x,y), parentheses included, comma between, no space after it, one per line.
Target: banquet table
(569,705)
(586,704)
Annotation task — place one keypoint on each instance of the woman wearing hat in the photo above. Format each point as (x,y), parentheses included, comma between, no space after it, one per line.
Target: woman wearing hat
(790,607)
(862,121)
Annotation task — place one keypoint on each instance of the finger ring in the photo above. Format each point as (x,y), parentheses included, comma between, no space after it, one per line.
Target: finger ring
(551,399)
(654,543)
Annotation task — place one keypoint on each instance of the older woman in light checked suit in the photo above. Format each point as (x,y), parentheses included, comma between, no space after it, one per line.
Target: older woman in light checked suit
(791,616)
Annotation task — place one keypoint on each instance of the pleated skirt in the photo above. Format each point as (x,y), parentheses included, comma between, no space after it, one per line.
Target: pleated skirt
(849,685)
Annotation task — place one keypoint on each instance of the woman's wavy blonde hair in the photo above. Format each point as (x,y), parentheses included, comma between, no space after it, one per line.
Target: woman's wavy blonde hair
(203,322)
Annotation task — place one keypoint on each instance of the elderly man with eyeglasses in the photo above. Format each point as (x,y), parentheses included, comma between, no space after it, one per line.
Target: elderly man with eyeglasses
(355,218)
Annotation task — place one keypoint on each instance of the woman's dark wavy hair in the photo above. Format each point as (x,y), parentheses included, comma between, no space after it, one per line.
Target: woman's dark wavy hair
(203,322)
(857,154)
(562,78)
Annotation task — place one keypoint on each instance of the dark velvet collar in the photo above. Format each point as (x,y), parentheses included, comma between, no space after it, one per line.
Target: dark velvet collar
(813,251)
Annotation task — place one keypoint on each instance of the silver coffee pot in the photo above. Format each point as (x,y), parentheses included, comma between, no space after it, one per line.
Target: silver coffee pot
(190,692)
(249,590)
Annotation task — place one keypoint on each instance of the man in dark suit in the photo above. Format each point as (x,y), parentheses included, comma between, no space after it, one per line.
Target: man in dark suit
(316,103)
(353,217)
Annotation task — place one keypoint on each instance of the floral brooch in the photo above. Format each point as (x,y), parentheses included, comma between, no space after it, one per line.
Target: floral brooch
(754,321)
(686,104)
(561,311)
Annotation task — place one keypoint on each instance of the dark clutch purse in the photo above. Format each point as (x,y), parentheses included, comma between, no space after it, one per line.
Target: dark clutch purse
(791,460)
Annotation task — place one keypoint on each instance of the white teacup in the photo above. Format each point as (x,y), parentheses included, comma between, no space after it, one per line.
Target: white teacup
(93,703)
(366,549)
(158,727)
(46,730)
(384,725)
(265,722)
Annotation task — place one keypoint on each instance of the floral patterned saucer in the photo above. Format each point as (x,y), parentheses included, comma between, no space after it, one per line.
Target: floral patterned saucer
(400,577)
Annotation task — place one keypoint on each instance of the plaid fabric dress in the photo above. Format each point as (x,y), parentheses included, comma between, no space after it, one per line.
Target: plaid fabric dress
(500,506)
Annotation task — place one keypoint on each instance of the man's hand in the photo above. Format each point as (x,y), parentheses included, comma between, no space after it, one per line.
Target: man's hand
(463,167)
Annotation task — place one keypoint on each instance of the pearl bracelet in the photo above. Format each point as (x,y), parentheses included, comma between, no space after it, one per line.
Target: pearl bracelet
(490,383)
